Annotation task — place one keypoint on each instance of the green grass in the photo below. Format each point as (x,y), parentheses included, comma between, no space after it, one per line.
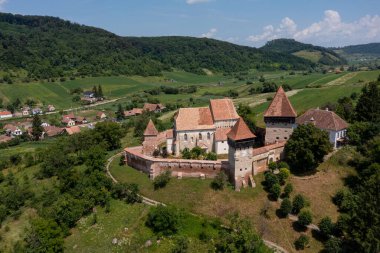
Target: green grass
(127,224)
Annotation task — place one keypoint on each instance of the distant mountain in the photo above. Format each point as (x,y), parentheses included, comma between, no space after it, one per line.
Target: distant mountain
(370,49)
(309,52)
(47,47)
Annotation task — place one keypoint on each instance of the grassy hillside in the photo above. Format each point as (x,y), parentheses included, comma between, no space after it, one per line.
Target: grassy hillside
(310,52)
(36,47)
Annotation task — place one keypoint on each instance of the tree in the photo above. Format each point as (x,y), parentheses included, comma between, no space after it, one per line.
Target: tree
(163,220)
(286,207)
(270,180)
(333,245)
(44,235)
(127,192)
(111,133)
(162,180)
(120,113)
(181,245)
(220,181)
(95,90)
(288,189)
(95,158)
(37,129)
(302,242)
(240,237)
(299,202)
(305,218)
(326,226)
(306,148)
(272,166)
(100,91)
(368,106)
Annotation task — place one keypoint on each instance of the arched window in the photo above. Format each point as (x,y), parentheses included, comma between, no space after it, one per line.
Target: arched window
(200,136)
(208,136)
(185,137)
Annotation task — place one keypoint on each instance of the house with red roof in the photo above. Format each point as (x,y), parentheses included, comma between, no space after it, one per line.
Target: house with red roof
(328,121)
(5,115)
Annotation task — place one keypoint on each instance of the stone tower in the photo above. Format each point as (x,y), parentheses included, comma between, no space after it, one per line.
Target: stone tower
(240,153)
(279,118)
(150,138)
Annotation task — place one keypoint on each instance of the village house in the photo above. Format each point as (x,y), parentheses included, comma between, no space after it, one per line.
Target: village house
(5,138)
(25,111)
(52,131)
(12,130)
(156,108)
(5,115)
(101,115)
(50,108)
(328,121)
(133,112)
(80,120)
(36,111)
(68,121)
(89,94)
(72,130)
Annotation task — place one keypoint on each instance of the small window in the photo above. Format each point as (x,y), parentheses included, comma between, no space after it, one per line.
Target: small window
(274,130)
(192,139)
(200,136)
(208,136)
(222,141)
(241,169)
(277,138)
(285,138)
(185,137)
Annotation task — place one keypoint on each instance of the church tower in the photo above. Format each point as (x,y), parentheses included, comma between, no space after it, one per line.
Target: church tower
(150,139)
(240,152)
(279,118)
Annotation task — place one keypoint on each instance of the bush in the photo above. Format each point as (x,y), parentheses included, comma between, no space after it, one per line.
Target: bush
(283,175)
(181,244)
(287,190)
(286,207)
(305,218)
(302,242)
(220,181)
(326,226)
(211,156)
(275,191)
(162,180)
(127,192)
(272,166)
(283,165)
(15,159)
(299,202)
(270,180)
(163,220)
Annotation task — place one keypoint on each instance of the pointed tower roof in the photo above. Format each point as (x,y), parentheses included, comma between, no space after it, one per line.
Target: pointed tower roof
(280,106)
(240,131)
(150,129)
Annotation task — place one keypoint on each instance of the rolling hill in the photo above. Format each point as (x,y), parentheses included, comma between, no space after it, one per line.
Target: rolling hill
(366,53)
(309,52)
(44,47)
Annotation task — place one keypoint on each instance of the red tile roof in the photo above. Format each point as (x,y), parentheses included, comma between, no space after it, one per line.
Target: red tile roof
(152,107)
(52,130)
(5,113)
(169,133)
(150,129)
(221,133)
(223,109)
(280,106)
(194,119)
(133,112)
(322,119)
(240,131)
(265,149)
(72,130)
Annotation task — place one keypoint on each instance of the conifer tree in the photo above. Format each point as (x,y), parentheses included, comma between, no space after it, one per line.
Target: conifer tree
(37,129)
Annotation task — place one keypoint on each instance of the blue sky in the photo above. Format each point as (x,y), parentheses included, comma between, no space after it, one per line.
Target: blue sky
(246,22)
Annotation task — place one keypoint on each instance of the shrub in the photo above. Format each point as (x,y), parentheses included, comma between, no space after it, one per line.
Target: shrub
(162,180)
(275,191)
(326,226)
(270,180)
(186,154)
(163,220)
(220,181)
(286,207)
(339,197)
(288,189)
(181,244)
(127,192)
(15,159)
(302,242)
(283,175)
(299,202)
(211,156)
(305,218)
(283,165)
(272,166)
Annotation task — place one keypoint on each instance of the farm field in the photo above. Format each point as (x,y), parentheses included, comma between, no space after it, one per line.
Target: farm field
(196,196)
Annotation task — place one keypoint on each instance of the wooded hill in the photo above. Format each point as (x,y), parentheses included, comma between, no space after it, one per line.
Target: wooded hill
(365,49)
(50,47)
(310,52)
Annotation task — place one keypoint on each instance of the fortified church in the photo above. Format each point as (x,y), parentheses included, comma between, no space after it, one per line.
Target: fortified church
(217,128)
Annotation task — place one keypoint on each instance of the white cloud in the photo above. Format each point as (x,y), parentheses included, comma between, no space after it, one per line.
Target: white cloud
(2,2)
(330,31)
(210,34)
(194,1)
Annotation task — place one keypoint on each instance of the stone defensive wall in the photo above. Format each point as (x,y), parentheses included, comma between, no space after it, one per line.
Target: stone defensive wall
(179,167)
